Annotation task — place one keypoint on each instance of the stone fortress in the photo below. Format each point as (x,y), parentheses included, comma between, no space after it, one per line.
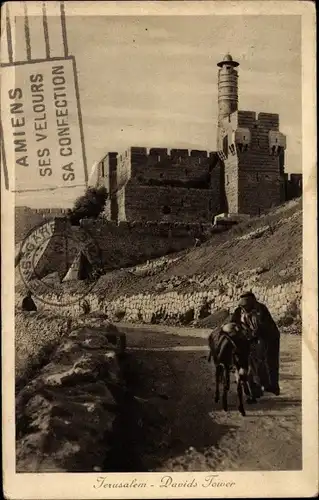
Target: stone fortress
(245,175)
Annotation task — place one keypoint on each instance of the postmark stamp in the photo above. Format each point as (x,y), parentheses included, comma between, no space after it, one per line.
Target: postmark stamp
(59,263)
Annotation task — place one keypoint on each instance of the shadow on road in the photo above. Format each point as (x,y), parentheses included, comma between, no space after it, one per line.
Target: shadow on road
(277,403)
(172,414)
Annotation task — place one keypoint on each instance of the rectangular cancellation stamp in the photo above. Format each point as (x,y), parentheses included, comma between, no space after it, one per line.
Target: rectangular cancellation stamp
(42,135)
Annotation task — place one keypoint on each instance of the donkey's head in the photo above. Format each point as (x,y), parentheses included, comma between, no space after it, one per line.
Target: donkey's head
(240,344)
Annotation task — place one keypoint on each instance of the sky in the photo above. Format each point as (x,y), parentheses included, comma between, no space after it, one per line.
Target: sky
(152,81)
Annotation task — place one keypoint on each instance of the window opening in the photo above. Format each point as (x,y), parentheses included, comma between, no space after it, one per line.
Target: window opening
(166,210)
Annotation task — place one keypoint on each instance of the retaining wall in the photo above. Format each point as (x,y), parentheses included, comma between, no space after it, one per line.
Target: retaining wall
(183,307)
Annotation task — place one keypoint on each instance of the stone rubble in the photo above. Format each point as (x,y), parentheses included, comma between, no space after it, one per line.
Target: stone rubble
(66,414)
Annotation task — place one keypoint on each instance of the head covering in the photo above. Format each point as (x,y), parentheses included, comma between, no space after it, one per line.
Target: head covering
(247,298)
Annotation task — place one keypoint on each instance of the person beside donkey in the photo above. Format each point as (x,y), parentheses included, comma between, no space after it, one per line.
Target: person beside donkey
(28,303)
(256,318)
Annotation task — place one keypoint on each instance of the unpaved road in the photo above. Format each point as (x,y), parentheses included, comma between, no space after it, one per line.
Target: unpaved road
(180,428)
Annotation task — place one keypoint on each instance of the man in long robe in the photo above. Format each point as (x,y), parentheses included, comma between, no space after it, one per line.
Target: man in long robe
(256,319)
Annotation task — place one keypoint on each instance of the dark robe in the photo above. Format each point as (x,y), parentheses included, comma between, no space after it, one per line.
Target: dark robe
(28,304)
(268,346)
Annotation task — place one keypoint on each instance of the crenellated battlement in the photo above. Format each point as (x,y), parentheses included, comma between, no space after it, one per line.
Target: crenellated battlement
(244,131)
(150,156)
(251,119)
(50,211)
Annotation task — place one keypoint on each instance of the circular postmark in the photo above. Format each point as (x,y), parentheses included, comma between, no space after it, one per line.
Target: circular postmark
(59,263)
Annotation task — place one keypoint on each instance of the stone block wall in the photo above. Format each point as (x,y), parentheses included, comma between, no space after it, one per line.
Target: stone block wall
(259,171)
(127,244)
(120,201)
(164,172)
(123,173)
(120,245)
(231,184)
(177,307)
(169,169)
(253,177)
(157,203)
(213,294)
(103,173)
(27,218)
(293,186)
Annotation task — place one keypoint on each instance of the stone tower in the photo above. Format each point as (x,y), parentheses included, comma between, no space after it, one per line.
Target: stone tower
(251,148)
(227,89)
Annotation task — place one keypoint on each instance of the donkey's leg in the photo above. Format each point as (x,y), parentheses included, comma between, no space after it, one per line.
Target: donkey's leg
(240,398)
(249,385)
(240,383)
(217,382)
(226,385)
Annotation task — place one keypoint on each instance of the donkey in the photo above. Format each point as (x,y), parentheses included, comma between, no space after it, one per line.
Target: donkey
(230,349)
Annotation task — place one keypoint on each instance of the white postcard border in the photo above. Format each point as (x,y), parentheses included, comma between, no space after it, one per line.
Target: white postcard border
(247,484)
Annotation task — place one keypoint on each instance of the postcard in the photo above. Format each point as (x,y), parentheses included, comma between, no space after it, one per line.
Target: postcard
(159,256)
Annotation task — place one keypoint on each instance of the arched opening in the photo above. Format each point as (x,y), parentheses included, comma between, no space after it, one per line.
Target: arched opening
(166,210)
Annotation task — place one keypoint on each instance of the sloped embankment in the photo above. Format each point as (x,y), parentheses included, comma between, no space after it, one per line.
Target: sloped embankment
(263,255)
(272,242)
(66,415)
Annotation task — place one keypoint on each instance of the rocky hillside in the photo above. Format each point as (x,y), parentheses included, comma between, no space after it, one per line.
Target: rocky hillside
(263,255)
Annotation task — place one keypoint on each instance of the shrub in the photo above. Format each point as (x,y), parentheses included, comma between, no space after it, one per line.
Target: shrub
(90,205)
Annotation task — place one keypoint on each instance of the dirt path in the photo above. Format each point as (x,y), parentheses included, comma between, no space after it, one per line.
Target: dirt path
(183,429)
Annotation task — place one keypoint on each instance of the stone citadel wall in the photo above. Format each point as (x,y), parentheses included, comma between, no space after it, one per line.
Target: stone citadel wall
(165,203)
(27,218)
(174,185)
(126,244)
(114,246)
(150,184)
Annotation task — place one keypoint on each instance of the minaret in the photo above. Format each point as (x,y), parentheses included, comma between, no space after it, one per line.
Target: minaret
(227,88)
